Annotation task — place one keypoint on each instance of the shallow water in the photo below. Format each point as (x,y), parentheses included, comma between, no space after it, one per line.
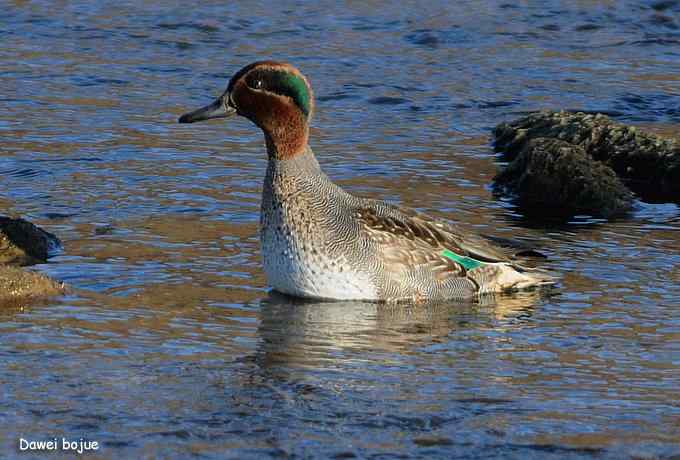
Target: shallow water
(170,345)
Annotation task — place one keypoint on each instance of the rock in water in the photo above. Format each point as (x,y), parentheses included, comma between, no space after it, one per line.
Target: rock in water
(649,164)
(18,286)
(557,178)
(22,243)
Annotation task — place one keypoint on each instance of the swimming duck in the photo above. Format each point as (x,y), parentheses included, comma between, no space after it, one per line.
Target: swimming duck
(318,241)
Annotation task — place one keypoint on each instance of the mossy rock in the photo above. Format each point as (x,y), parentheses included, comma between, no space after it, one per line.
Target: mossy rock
(552,177)
(648,164)
(22,243)
(18,286)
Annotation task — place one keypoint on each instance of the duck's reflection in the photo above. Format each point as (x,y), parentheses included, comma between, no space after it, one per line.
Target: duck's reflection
(303,333)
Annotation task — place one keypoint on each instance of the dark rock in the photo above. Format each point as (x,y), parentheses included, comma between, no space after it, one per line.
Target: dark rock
(648,164)
(663,5)
(552,177)
(22,243)
(18,286)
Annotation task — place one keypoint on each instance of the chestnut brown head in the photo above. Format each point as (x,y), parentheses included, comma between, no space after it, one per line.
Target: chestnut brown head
(273,95)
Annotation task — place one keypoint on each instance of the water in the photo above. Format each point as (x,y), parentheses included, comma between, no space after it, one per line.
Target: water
(169,344)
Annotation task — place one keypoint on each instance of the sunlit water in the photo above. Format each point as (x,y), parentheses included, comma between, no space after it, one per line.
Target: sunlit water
(170,345)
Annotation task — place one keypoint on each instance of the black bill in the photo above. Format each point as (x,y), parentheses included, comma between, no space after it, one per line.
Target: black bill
(218,109)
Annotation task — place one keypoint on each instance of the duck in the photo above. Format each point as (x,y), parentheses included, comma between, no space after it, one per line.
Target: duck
(320,242)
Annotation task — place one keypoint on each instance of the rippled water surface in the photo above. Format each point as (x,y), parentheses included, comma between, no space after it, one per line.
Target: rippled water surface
(170,345)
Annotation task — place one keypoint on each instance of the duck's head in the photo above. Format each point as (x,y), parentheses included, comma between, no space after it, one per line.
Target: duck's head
(273,95)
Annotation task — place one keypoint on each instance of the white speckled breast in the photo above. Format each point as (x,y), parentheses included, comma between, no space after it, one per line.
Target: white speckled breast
(297,263)
(304,253)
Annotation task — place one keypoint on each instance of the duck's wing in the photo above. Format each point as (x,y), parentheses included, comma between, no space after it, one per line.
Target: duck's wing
(424,249)
(398,225)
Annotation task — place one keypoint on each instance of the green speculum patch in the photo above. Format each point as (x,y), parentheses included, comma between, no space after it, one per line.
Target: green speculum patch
(468,263)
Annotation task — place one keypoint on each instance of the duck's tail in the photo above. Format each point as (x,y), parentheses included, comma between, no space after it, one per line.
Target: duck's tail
(504,277)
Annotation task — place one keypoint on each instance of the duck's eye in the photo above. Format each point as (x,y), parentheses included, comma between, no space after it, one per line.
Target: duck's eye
(256,84)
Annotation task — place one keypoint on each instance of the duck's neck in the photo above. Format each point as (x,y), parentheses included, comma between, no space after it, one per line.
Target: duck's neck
(302,163)
(286,141)
(300,174)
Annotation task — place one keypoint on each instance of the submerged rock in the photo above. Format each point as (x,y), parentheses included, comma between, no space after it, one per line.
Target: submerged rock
(557,178)
(649,164)
(18,286)
(22,243)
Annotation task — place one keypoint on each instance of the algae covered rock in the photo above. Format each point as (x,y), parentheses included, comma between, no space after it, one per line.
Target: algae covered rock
(18,286)
(648,164)
(22,243)
(556,178)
